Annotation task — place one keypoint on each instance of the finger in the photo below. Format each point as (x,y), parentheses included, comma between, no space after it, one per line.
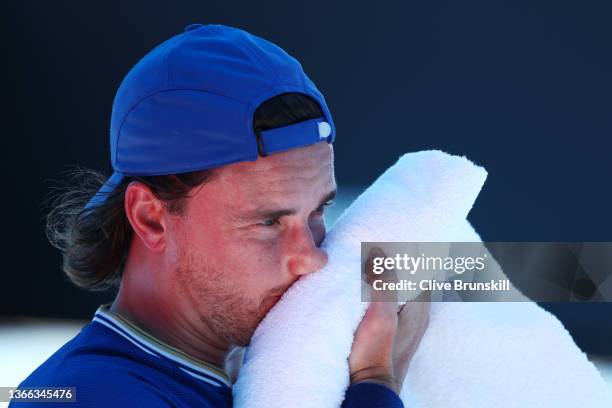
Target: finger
(375,335)
(368,271)
(385,312)
(413,320)
(384,295)
(424,296)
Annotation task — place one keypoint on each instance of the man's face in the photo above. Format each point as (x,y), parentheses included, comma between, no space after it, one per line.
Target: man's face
(249,234)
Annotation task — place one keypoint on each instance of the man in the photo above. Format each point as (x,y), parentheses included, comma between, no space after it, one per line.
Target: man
(222,151)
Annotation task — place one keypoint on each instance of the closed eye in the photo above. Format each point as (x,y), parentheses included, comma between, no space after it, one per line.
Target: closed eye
(273,222)
(269,223)
(324,205)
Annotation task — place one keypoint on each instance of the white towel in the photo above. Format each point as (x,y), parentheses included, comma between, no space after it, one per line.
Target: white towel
(298,354)
(500,354)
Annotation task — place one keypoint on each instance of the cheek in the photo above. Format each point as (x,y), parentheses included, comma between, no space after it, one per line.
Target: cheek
(196,249)
(249,263)
(255,263)
(199,244)
(251,266)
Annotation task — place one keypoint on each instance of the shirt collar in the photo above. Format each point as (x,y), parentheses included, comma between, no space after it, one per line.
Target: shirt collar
(146,342)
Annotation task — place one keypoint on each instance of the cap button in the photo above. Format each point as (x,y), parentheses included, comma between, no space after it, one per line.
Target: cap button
(324,130)
(191,27)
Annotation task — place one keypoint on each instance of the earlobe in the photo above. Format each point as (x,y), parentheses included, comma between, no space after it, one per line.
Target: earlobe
(146,214)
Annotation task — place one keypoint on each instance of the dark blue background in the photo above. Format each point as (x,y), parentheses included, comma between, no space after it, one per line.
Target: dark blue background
(520,87)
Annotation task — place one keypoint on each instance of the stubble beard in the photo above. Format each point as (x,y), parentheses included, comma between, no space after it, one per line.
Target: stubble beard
(223,309)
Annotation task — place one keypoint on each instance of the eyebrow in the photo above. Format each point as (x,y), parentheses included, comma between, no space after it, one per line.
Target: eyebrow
(277,213)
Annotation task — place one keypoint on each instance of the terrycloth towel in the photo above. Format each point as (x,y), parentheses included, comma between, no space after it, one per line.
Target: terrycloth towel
(487,354)
(500,355)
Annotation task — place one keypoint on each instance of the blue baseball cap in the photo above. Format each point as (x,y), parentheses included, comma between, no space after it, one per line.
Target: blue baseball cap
(188,105)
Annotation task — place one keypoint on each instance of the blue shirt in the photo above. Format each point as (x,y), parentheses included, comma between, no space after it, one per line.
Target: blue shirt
(113,363)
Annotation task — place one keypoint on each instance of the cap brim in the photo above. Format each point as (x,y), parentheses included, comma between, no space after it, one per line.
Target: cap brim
(100,197)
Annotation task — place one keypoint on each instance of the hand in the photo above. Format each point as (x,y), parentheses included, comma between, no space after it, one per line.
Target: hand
(387,338)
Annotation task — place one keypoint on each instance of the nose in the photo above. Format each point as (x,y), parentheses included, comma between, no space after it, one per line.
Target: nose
(304,255)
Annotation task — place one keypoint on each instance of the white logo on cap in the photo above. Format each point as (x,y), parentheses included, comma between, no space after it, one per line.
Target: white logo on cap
(324,130)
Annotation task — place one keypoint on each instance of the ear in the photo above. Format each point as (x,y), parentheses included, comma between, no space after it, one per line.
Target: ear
(146,214)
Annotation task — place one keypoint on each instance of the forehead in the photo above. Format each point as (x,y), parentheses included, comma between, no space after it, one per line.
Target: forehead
(303,174)
(307,167)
